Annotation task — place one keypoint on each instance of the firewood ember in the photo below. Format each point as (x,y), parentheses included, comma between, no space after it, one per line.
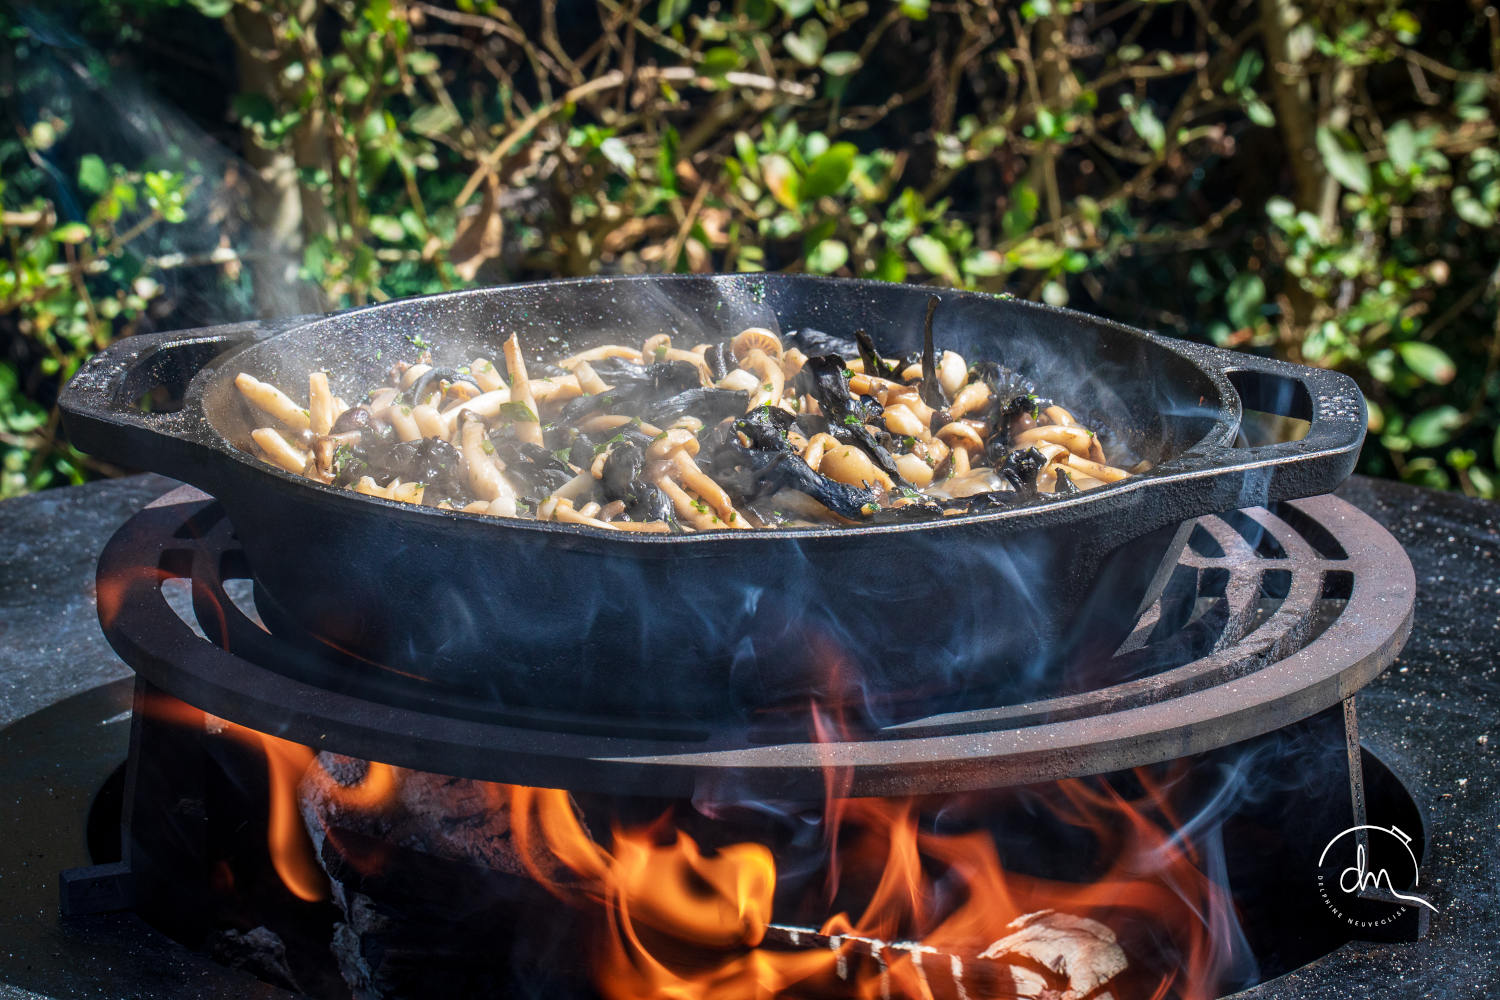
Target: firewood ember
(1050,956)
(1083,951)
(452,818)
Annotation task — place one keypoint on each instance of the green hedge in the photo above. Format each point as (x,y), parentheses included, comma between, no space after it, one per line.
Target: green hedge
(1318,182)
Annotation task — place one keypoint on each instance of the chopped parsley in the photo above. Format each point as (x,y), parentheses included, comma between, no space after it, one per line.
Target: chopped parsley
(489,449)
(661,351)
(851,420)
(768,386)
(517,411)
(909,442)
(848,373)
(701,507)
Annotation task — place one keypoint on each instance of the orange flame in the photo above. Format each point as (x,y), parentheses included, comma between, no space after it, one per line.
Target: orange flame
(287,842)
(681,923)
(672,920)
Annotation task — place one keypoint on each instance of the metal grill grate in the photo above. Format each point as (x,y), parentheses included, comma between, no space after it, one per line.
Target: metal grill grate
(1269,617)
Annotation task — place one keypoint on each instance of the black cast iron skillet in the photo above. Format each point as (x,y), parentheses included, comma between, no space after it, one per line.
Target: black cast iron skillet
(886,622)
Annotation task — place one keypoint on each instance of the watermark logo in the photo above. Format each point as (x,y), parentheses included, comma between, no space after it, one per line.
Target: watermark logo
(1359,870)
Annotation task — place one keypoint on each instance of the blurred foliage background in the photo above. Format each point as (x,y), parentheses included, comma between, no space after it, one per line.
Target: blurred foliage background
(1317,180)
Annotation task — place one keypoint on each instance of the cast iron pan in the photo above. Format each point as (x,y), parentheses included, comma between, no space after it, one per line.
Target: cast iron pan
(880,622)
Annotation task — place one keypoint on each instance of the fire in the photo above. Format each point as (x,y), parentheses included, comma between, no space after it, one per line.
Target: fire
(907,910)
(679,922)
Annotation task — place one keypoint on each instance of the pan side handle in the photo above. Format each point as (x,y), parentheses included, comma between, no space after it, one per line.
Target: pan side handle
(1329,401)
(130,403)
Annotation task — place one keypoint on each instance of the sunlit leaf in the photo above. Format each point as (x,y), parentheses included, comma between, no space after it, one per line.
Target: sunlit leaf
(387,228)
(422,63)
(1430,362)
(1344,158)
(1260,112)
(93,176)
(669,12)
(806,46)
(721,59)
(1434,427)
(830,171)
(1036,255)
(781,180)
(1149,127)
(827,257)
(1471,209)
(934,256)
(1401,145)
(434,119)
(1020,214)
(71,232)
(839,63)
(1244,297)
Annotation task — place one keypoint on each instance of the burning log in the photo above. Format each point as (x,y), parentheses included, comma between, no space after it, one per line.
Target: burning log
(1050,956)
(435,896)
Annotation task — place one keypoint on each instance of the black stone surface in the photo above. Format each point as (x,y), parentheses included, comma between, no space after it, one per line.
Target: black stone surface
(1434,717)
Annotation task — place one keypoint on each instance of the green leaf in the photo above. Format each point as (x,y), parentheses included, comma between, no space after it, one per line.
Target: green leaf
(891,267)
(781,179)
(618,154)
(933,256)
(1037,255)
(213,8)
(1430,362)
(422,63)
(984,263)
(830,171)
(796,8)
(1434,427)
(1471,209)
(355,88)
(669,12)
(827,257)
(839,63)
(807,45)
(1344,158)
(1259,112)
(744,150)
(387,228)
(1244,297)
(1401,146)
(93,176)
(1020,214)
(721,59)
(517,412)
(71,232)
(1149,127)
(915,9)
(434,119)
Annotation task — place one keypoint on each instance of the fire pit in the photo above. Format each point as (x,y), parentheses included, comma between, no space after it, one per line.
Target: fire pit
(1090,746)
(1232,711)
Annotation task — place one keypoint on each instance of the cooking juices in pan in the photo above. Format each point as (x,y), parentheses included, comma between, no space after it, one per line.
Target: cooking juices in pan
(749,432)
